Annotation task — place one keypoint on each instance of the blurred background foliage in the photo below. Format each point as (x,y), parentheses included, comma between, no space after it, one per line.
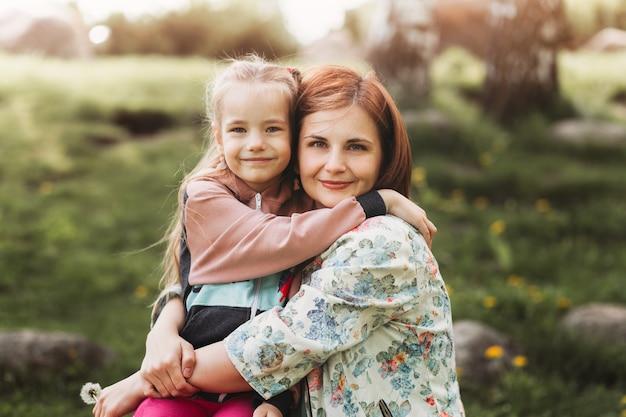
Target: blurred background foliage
(205,29)
(217,29)
(92,151)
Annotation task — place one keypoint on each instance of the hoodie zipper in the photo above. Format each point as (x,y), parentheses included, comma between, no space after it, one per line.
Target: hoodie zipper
(257,282)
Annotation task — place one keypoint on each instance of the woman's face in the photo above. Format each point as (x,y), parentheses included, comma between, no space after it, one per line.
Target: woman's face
(339,154)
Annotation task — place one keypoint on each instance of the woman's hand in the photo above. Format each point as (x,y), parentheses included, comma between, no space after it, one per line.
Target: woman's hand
(400,206)
(267,410)
(121,398)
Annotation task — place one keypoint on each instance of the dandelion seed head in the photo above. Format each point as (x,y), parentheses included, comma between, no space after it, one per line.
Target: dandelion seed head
(90,392)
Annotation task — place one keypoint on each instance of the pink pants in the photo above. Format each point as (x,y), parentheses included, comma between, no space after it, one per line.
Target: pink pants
(239,406)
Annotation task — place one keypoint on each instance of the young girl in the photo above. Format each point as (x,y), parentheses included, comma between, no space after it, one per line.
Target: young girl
(215,239)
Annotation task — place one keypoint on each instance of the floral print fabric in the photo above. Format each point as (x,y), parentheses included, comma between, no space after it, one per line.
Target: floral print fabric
(370,329)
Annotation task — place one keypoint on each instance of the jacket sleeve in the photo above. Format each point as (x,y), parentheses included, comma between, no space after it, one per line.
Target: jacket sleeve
(366,279)
(230,241)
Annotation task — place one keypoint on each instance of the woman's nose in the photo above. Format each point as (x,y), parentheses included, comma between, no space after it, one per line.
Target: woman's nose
(335,162)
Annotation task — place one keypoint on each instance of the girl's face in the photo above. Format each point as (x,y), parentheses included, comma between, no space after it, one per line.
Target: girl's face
(255,134)
(339,154)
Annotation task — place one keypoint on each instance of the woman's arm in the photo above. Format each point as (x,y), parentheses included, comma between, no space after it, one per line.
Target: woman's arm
(214,371)
(365,280)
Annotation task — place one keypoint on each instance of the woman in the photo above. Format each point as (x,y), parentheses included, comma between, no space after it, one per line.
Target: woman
(370,329)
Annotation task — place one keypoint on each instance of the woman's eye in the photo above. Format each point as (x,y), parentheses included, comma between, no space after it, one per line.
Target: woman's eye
(357,147)
(317,144)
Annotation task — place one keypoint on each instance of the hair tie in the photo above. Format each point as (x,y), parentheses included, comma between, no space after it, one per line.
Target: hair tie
(290,69)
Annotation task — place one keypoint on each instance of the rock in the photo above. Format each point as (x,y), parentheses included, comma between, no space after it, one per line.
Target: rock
(472,341)
(29,356)
(46,28)
(585,132)
(604,323)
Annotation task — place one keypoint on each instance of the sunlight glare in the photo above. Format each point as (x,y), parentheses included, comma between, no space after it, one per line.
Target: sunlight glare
(99,34)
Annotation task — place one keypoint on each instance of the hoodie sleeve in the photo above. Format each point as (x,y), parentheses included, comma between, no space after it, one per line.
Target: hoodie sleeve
(230,241)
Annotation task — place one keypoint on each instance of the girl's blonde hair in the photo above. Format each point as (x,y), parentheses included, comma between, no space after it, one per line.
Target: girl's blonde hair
(251,70)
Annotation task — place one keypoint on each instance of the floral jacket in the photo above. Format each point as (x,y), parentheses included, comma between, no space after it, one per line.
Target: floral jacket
(370,330)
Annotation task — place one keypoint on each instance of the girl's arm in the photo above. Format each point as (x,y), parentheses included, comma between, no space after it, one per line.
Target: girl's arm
(233,242)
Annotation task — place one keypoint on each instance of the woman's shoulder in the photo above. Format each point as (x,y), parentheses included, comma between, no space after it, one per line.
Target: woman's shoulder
(387,226)
(387,222)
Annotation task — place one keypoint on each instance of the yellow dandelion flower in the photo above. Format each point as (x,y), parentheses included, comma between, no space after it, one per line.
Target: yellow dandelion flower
(485,160)
(542,205)
(481,203)
(515,281)
(535,294)
(623,400)
(490,301)
(623,413)
(418,177)
(519,361)
(449,289)
(45,188)
(141,291)
(458,195)
(563,303)
(497,227)
(494,352)
(459,371)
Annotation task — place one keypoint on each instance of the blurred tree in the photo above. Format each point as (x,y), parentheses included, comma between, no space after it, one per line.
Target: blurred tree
(521,57)
(204,29)
(401,46)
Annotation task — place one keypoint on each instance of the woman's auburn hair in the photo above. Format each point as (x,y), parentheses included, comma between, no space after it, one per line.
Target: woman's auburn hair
(331,87)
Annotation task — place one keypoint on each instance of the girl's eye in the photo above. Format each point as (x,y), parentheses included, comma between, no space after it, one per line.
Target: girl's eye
(238,130)
(274,129)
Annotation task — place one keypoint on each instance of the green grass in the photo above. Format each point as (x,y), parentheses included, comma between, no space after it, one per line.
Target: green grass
(533,226)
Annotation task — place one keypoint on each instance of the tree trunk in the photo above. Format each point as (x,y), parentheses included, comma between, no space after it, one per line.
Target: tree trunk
(521,57)
(401,47)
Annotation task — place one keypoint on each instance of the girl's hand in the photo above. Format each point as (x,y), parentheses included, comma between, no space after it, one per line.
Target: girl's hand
(121,398)
(169,360)
(400,206)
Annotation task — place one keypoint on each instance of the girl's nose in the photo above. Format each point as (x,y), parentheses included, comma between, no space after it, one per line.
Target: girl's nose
(256,142)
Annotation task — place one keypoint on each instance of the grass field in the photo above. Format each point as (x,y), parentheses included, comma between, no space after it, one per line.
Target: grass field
(528,227)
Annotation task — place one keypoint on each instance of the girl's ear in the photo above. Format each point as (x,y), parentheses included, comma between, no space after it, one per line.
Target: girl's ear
(217,133)
(296,167)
